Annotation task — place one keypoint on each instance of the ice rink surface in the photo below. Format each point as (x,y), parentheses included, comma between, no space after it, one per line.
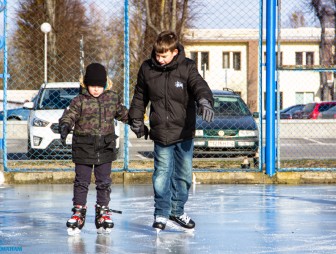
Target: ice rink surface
(229,219)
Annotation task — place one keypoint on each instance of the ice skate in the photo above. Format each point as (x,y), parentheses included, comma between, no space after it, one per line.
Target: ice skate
(103,221)
(182,223)
(159,223)
(77,220)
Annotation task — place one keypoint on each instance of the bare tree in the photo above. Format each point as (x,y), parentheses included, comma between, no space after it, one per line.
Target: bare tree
(297,19)
(325,12)
(69,24)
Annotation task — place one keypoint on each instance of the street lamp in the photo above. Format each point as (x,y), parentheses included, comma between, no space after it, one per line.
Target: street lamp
(45,28)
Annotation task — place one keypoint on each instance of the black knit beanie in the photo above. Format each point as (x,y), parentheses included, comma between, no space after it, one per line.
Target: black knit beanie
(95,75)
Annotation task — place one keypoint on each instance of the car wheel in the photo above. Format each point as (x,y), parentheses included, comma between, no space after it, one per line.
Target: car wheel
(13,118)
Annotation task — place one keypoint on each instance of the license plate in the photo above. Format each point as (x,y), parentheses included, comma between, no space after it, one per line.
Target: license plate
(68,140)
(216,143)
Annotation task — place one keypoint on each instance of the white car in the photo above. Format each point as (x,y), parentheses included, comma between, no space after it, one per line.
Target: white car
(43,135)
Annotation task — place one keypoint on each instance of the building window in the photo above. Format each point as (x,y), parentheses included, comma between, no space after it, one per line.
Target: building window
(276,99)
(299,58)
(194,56)
(304,97)
(276,58)
(309,58)
(205,60)
(236,61)
(226,60)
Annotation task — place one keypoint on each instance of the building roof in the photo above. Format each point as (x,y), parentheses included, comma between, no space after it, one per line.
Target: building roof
(311,34)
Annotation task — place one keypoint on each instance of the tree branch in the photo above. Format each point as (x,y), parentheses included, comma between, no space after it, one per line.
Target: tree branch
(184,17)
(174,16)
(149,18)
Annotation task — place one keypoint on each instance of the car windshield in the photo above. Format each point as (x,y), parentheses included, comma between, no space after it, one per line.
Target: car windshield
(309,107)
(331,110)
(56,98)
(230,106)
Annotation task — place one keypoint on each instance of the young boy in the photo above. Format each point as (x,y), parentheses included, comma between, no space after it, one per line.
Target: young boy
(172,84)
(92,115)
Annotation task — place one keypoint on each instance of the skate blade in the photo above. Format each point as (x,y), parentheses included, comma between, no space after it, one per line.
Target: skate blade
(104,231)
(158,230)
(73,231)
(177,227)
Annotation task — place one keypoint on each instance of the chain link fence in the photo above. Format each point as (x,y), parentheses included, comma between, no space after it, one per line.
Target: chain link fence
(306,91)
(222,37)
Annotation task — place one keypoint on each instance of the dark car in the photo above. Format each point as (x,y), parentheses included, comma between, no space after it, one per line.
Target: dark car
(233,132)
(287,113)
(314,109)
(19,114)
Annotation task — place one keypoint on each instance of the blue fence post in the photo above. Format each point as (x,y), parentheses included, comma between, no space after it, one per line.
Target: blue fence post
(260,46)
(126,81)
(270,85)
(4,77)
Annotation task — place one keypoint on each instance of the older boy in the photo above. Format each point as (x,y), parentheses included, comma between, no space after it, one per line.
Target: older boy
(172,84)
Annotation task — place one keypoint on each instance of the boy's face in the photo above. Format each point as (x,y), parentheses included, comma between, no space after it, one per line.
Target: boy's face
(166,58)
(95,91)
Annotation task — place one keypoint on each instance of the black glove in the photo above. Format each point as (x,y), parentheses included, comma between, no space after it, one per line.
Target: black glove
(64,130)
(139,128)
(205,109)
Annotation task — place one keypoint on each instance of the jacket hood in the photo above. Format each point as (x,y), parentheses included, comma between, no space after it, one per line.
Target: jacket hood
(178,59)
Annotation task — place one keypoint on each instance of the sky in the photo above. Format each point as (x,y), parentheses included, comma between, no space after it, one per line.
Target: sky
(244,13)
(210,13)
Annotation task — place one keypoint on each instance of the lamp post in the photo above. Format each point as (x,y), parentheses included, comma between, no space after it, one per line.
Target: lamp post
(45,28)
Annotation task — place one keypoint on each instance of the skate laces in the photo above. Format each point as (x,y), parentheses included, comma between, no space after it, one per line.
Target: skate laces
(185,218)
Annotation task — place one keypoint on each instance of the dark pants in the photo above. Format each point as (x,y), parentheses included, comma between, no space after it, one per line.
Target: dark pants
(82,181)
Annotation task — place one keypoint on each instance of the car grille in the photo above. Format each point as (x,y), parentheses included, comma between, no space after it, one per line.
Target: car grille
(54,128)
(214,133)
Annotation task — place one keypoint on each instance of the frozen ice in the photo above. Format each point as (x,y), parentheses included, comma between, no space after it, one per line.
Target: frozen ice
(229,219)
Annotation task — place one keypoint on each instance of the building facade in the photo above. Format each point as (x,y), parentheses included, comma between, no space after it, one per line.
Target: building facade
(229,58)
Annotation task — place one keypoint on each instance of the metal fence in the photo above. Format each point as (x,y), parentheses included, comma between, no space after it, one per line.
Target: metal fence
(227,41)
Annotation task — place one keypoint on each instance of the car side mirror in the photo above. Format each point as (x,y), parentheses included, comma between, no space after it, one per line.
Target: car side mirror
(28,105)
(255,114)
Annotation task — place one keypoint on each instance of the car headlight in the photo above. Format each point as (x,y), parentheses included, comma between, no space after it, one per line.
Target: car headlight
(248,133)
(199,133)
(39,122)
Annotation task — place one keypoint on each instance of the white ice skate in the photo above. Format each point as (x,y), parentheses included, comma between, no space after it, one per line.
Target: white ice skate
(73,231)
(159,223)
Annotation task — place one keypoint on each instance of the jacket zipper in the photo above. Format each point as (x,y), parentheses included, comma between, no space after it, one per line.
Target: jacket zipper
(99,135)
(166,104)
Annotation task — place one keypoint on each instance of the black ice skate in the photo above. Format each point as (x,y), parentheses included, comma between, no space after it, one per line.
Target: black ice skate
(77,220)
(182,222)
(159,223)
(103,220)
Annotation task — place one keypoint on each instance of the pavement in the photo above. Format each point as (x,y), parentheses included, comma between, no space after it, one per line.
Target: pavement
(230,218)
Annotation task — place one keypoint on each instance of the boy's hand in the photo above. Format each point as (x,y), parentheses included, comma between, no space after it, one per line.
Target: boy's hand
(64,130)
(205,109)
(139,128)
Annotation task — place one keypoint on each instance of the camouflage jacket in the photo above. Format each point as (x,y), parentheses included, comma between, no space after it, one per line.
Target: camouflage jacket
(93,121)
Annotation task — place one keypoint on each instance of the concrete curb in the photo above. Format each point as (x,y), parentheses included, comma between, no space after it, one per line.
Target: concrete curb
(199,177)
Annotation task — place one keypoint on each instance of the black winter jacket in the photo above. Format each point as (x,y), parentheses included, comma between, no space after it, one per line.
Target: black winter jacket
(173,91)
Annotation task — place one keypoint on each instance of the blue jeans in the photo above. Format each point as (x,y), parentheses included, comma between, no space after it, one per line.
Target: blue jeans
(172,177)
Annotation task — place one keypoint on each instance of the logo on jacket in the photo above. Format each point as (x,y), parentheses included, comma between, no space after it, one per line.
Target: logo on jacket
(178,84)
